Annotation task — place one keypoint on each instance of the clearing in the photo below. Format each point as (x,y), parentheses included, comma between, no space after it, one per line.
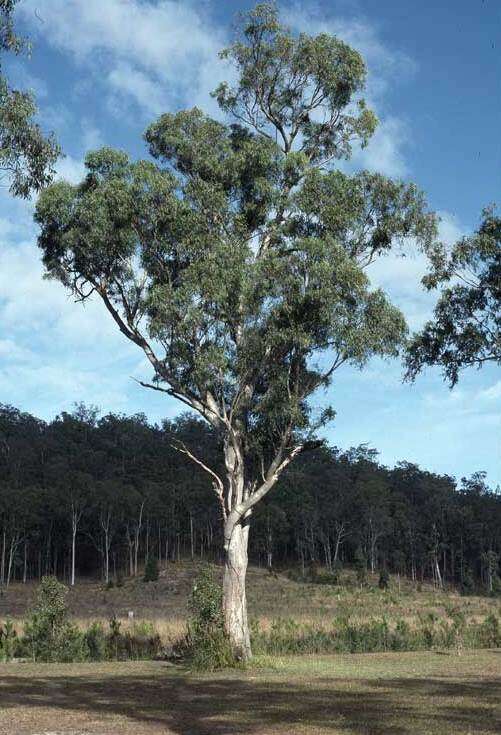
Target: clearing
(355,694)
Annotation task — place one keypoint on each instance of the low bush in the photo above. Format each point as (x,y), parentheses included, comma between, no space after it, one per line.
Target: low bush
(151,569)
(95,639)
(384,579)
(9,643)
(314,574)
(206,644)
(49,635)
(286,636)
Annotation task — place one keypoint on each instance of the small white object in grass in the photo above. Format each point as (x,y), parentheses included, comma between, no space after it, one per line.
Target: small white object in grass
(131,614)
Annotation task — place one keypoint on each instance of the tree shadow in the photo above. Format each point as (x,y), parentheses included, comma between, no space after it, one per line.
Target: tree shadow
(173,701)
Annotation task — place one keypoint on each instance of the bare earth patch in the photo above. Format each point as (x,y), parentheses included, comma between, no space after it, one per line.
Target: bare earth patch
(371,694)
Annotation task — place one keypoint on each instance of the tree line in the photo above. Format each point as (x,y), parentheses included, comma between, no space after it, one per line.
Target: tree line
(84,495)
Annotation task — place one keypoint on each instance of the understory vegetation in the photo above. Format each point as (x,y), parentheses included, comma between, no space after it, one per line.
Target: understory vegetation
(50,635)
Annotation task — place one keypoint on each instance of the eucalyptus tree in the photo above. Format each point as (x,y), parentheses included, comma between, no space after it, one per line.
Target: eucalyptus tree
(235,259)
(466,326)
(27,155)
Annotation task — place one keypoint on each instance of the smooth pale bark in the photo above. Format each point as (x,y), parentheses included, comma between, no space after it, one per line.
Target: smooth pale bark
(25,562)
(137,536)
(234,595)
(2,567)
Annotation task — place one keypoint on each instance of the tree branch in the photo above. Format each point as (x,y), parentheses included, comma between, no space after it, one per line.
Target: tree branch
(217,485)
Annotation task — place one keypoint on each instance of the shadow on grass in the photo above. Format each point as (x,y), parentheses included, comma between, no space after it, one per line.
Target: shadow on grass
(171,701)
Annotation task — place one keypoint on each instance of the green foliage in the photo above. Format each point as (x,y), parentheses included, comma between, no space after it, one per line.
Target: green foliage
(236,256)
(151,569)
(268,59)
(48,632)
(314,574)
(468,582)
(384,579)
(95,639)
(207,644)
(286,636)
(8,641)
(466,329)
(137,643)
(26,154)
(361,566)
(491,631)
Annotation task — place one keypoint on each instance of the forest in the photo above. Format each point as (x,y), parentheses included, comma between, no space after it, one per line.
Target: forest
(90,496)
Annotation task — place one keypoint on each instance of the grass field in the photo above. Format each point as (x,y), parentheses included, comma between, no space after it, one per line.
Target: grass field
(376,694)
(435,692)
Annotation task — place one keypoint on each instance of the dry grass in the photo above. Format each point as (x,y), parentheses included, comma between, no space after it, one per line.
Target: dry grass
(270,597)
(371,694)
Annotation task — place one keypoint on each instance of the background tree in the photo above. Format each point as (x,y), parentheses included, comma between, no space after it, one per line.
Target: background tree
(466,328)
(235,260)
(27,155)
(318,490)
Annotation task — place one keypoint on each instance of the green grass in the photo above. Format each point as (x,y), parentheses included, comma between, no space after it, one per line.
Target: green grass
(371,694)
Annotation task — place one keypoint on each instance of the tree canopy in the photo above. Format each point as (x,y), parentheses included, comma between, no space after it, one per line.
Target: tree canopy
(27,155)
(466,328)
(234,260)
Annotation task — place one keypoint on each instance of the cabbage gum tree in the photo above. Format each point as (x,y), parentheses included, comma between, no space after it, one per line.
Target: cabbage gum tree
(234,259)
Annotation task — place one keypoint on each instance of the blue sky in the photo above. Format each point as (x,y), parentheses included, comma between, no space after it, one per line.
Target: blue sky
(103,69)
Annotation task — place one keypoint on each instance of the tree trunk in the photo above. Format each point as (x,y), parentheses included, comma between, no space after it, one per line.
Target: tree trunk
(106,556)
(73,554)
(137,536)
(25,562)
(234,596)
(2,568)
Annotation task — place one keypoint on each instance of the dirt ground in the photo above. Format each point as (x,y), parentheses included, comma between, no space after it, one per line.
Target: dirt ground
(366,694)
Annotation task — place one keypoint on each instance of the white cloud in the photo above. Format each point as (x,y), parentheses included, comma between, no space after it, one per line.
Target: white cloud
(148,94)
(384,153)
(401,276)
(54,351)
(492,393)
(450,229)
(135,46)
(71,169)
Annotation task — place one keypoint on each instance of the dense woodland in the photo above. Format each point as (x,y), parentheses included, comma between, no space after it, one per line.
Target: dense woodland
(89,496)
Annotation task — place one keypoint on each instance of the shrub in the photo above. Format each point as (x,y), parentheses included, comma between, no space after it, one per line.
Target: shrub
(361,567)
(142,642)
(114,644)
(468,582)
(491,631)
(8,641)
(151,569)
(48,633)
(454,633)
(384,579)
(286,636)
(337,568)
(206,642)
(95,638)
